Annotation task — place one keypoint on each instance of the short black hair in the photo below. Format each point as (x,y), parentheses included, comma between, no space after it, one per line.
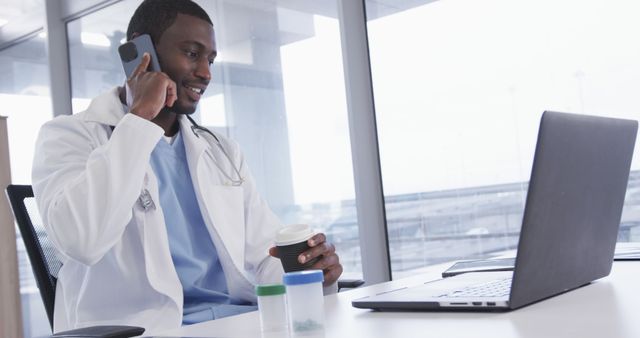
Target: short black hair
(153,17)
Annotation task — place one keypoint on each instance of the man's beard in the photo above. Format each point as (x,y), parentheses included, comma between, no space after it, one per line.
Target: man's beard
(179,110)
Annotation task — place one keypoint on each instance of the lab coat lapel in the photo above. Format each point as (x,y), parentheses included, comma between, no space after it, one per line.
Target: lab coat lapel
(221,205)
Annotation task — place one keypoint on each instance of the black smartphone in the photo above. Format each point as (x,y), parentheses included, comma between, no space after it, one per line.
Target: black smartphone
(131,54)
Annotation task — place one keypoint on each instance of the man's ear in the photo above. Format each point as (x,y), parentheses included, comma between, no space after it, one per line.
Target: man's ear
(135,35)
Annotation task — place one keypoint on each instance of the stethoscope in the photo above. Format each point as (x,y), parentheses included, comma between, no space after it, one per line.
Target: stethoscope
(195,128)
(145,199)
(235,182)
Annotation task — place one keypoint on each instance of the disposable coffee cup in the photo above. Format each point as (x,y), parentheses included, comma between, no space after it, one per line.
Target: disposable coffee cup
(291,241)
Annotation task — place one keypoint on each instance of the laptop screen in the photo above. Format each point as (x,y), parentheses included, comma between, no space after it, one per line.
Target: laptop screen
(574,204)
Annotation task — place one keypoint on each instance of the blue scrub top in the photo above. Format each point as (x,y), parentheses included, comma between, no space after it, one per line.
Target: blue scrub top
(206,296)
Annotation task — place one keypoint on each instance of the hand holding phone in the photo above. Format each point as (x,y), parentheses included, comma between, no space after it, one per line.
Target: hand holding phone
(151,89)
(131,53)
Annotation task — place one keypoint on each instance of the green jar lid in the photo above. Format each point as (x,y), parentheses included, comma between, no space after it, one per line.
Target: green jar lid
(270,290)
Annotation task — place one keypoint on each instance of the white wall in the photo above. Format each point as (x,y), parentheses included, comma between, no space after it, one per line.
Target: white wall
(10,313)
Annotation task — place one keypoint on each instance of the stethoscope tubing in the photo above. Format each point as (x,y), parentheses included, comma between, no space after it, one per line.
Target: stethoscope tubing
(195,128)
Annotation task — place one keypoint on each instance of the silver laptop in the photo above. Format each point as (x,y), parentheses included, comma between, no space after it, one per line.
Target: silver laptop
(569,228)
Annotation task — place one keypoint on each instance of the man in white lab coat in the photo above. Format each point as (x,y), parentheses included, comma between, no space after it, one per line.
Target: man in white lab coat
(158,223)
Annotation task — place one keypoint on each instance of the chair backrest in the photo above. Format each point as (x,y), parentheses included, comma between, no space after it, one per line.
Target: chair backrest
(42,254)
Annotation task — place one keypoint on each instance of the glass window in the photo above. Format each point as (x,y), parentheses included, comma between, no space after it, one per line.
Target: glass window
(273,92)
(16,10)
(26,101)
(460,86)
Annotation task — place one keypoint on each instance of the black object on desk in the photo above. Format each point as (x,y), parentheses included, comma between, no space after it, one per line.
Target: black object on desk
(349,283)
(105,331)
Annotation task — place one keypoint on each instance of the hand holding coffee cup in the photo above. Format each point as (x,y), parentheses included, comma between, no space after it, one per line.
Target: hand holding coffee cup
(291,241)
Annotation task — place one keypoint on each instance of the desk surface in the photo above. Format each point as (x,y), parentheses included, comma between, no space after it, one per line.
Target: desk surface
(609,307)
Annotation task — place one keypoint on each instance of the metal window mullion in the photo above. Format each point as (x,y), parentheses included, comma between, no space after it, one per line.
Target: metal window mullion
(374,245)
(58,53)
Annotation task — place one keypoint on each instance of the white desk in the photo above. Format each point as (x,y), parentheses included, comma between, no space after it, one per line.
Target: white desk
(608,308)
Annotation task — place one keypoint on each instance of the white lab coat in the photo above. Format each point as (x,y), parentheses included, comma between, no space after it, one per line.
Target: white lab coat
(117,266)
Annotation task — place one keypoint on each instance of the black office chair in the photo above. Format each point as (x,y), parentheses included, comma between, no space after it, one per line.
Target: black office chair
(45,262)
(41,253)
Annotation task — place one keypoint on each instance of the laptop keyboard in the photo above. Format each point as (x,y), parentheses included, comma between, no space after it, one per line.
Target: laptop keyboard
(495,288)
